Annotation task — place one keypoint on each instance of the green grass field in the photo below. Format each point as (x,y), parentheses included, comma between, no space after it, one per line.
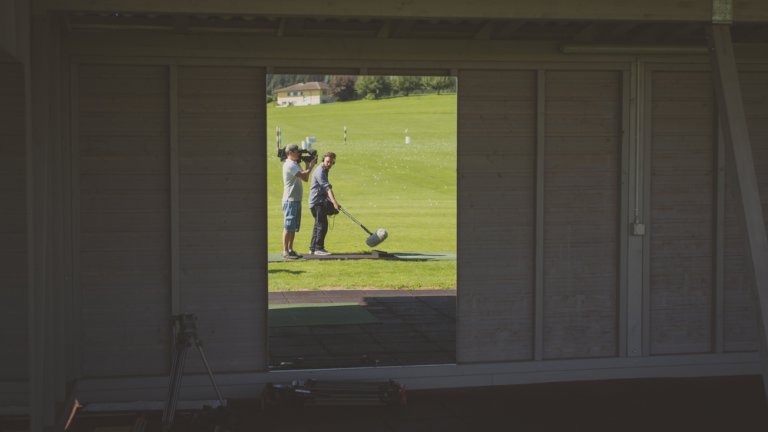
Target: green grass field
(408,189)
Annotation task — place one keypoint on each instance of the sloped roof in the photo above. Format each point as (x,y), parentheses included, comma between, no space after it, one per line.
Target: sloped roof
(303,86)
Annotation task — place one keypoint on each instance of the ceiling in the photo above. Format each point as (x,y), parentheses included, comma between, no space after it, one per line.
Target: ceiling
(625,32)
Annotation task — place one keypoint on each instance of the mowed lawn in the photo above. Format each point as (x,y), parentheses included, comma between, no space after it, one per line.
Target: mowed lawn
(408,189)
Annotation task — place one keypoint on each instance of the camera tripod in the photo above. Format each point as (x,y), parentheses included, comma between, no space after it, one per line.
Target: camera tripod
(184,336)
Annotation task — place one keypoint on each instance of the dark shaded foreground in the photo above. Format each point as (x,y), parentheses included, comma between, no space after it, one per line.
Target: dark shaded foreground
(699,404)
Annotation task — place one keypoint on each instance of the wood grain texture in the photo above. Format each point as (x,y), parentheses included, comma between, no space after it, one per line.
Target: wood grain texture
(682,213)
(496,143)
(741,331)
(123,213)
(581,210)
(222,240)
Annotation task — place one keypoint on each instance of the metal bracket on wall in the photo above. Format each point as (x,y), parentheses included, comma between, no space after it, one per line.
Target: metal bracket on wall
(722,11)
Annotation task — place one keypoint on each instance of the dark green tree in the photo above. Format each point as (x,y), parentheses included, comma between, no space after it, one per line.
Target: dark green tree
(439,83)
(373,86)
(406,84)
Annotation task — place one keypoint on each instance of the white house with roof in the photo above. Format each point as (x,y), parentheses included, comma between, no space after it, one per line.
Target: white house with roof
(311,93)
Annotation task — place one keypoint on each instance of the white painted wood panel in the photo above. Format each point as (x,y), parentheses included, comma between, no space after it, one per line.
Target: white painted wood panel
(222,213)
(496,147)
(581,214)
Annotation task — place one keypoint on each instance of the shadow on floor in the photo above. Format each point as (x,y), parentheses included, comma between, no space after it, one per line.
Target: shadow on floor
(414,327)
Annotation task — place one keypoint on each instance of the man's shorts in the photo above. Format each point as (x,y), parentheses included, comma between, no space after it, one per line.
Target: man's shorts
(292,215)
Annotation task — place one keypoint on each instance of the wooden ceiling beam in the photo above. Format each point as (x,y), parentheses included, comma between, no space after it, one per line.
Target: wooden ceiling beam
(485,30)
(386,30)
(597,10)
(509,29)
(621,30)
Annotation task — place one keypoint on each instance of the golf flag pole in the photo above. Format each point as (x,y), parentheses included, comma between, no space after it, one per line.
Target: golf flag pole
(345,134)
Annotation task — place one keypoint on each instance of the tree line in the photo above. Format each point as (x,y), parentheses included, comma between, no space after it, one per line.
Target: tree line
(353,87)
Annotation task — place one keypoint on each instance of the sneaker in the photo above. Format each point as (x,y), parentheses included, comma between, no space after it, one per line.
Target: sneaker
(293,254)
(288,256)
(311,252)
(322,252)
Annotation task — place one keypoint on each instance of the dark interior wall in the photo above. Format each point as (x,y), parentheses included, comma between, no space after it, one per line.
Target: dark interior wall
(683,152)
(170,206)
(132,120)
(13,226)
(684,311)
(122,171)
(740,321)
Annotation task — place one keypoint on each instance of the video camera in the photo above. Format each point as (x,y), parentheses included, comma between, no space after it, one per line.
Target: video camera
(305,155)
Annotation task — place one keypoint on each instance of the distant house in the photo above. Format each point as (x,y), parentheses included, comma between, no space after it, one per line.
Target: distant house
(311,93)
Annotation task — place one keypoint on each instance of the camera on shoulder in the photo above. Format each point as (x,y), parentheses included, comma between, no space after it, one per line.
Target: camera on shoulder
(305,155)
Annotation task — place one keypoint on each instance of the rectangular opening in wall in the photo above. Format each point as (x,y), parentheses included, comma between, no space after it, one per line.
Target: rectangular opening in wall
(375,285)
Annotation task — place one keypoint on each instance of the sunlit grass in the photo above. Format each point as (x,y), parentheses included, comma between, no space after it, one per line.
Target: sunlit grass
(408,189)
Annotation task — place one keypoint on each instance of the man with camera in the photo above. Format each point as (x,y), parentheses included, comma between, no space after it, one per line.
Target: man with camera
(322,203)
(293,191)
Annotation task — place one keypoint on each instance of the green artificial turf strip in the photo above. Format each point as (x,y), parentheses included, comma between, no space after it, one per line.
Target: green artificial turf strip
(361,274)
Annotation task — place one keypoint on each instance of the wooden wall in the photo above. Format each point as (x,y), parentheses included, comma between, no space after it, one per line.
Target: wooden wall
(496,215)
(122,135)
(222,212)
(581,213)
(694,305)
(169,209)
(683,154)
(579,130)
(740,322)
(13,226)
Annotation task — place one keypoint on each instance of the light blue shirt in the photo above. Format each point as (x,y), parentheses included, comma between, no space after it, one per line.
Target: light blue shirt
(292,187)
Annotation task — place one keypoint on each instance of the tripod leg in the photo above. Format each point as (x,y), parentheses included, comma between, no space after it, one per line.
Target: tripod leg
(210,373)
(174,385)
(171,384)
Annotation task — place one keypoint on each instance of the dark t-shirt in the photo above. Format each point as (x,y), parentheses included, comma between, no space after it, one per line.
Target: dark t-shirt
(318,188)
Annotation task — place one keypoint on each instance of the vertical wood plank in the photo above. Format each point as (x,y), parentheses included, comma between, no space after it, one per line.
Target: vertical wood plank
(173,135)
(645,129)
(719,276)
(682,224)
(634,87)
(538,328)
(624,194)
(222,212)
(74,134)
(497,145)
(122,134)
(581,213)
(14,247)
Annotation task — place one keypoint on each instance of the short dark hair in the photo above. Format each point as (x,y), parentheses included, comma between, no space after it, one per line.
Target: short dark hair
(292,147)
(331,155)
